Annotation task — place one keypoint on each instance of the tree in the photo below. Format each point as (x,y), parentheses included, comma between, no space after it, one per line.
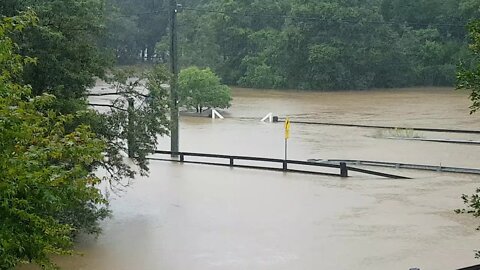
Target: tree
(137,116)
(69,59)
(65,42)
(134,28)
(197,41)
(48,191)
(201,89)
(469,78)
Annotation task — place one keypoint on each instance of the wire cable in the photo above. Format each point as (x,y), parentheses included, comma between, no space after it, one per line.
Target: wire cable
(319,19)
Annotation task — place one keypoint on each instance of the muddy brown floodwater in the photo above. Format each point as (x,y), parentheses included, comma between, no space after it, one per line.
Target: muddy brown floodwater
(199,217)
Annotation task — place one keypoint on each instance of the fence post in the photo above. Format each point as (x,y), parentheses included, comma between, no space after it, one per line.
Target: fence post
(182,158)
(231,162)
(285,165)
(343,169)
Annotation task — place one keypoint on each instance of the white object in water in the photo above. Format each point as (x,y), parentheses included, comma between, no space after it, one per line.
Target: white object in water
(269,117)
(216,114)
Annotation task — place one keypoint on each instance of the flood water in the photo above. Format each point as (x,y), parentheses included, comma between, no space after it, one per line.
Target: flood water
(200,217)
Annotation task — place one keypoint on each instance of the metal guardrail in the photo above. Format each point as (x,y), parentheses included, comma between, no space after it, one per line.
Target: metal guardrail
(469,142)
(442,130)
(475,267)
(342,166)
(401,165)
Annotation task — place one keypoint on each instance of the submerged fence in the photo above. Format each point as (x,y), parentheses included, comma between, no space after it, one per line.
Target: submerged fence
(398,165)
(307,167)
(441,130)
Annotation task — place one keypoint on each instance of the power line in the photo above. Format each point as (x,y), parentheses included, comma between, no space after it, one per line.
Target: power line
(299,18)
(143,14)
(318,19)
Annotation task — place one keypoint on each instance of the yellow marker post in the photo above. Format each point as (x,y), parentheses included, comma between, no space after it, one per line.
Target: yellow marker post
(287,128)
(287,136)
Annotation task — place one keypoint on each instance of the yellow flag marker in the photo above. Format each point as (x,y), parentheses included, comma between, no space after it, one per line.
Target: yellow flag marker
(287,135)
(287,128)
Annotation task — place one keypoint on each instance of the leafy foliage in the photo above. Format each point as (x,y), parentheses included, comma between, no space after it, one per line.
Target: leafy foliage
(469,79)
(473,207)
(133,128)
(52,146)
(134,28)
(200,89)
(69,49)
(48,191)
(65,43)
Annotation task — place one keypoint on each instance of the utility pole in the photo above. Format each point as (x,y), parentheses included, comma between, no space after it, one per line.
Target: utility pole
(174,139)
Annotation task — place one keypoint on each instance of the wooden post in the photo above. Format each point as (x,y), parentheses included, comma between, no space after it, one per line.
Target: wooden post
(182,158)
(343,169)
(231,162)
(131,127)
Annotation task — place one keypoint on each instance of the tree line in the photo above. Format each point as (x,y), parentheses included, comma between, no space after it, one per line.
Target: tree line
(308,44)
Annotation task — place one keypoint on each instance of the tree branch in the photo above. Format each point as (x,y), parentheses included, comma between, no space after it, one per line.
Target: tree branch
(107,105)
(115,94)
(102,94)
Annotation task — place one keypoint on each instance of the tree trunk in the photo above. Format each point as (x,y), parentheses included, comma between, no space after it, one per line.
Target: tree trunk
(150,52)
(131,126)
(143,54)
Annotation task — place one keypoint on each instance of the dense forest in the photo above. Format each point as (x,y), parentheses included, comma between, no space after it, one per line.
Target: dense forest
(303,44)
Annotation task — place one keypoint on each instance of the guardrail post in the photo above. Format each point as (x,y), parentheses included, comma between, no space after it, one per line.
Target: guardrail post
(182,158)
(343,169)
(285,165)
(231,162)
